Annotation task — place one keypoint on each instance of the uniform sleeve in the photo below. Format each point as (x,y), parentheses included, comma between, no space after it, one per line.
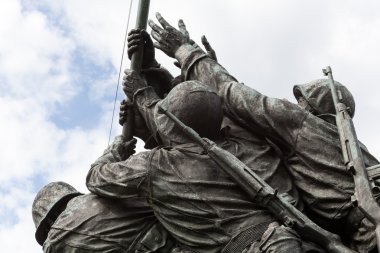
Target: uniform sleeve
(111,177)
(273,117)
(145,100)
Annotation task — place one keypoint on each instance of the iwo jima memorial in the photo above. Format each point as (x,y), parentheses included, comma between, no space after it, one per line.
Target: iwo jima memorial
(226,168)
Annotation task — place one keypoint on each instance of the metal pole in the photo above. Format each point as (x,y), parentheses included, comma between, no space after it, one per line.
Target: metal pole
(136,62)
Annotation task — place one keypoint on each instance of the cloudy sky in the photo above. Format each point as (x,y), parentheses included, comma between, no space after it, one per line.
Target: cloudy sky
(59,64)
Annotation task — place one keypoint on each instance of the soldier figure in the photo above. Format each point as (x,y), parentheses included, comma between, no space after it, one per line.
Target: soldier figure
(202,207)
(274,173)
(310,143)
(174,197)
(72,222)
(69,221)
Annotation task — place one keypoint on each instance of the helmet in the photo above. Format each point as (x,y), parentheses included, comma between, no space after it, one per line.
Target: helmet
(196,105)
(318,94)
(50,201)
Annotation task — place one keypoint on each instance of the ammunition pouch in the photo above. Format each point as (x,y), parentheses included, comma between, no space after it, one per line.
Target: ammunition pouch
(157,240)
(245,238)
(353,221)
(374,179)
(356,216)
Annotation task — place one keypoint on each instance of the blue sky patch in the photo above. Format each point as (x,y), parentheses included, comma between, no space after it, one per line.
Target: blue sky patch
(83,110)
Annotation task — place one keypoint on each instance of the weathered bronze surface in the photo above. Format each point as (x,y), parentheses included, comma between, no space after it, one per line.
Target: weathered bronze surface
(353,158)
(259,190)
(252,173)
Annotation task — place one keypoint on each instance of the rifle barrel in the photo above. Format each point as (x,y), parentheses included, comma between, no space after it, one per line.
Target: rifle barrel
(354,160)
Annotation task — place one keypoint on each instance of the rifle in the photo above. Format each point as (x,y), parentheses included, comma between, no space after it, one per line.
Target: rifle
(136,62)
(353,159)
(260,191)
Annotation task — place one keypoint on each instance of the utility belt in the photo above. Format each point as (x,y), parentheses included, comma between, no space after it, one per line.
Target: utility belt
(245,238)
(253,233)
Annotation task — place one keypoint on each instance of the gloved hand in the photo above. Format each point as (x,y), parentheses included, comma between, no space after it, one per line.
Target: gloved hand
(132,82)
(122,149)
(140,129)
(210,51)
(140,38)
(168,38)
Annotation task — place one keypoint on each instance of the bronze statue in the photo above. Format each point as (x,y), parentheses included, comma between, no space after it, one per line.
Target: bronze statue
(175,197)
(199,205)
(310,144)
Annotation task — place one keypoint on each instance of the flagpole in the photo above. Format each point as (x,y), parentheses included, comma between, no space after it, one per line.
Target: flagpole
(136,62)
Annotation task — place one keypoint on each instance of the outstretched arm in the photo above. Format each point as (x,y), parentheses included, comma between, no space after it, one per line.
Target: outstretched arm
(177,44)
(276,118)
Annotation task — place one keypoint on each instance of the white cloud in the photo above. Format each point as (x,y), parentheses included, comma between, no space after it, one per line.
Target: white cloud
(34,56)
(36,77)
(95,26)
(20,237)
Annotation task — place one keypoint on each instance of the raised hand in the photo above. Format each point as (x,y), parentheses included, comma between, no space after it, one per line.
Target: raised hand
(122,149)
(210,51)
(168,39)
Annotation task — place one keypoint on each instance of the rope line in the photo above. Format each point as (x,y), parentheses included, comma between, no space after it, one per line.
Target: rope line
(121,65)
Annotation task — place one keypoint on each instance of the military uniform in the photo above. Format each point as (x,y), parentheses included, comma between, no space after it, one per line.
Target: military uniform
(69,221)
(201,206)
(311,145)
(94,224)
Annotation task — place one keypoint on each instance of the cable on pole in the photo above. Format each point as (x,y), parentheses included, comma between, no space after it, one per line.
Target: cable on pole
(120,67)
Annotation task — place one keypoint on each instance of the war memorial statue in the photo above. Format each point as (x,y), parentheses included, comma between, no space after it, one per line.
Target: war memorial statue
(227,169)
